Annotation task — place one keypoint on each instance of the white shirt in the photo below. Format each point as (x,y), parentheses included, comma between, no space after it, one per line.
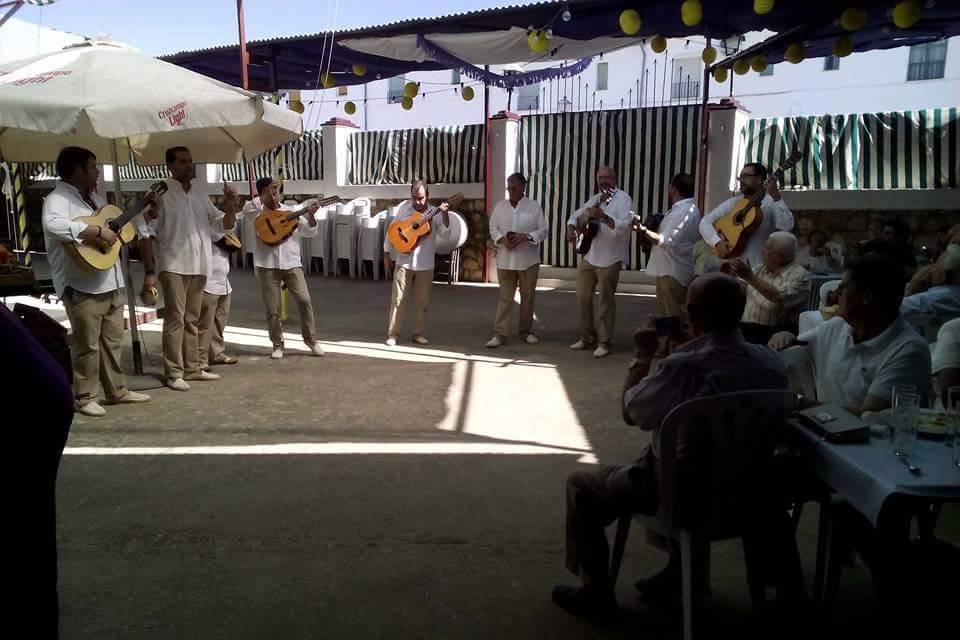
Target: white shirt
(610,245)
(217,282)
(942,300)
(182,232)
(946,350)
(679,232)
(526,219)
(61,208)
(423,256)
(776,217)
(847,373)
(286,255)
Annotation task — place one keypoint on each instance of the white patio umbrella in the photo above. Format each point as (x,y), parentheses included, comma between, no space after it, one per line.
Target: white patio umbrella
(110,99)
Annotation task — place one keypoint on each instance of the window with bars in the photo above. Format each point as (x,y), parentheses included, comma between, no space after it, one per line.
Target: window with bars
(342,90)
(603,71)
(927,61)
(395,90)
(831,63)
(455,76)
(528,97)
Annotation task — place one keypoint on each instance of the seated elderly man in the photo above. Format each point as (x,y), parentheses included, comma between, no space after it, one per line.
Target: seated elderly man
(860,355)
(717,360)
(943,296)
(776,289)
(946,358)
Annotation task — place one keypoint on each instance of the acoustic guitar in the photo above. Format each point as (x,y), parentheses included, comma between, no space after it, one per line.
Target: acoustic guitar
(96,255)
(405,234)
(746,216)
(229,242)
(273,226)
(590,229)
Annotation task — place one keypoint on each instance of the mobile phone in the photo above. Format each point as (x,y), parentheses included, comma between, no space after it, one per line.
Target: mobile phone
(668,326)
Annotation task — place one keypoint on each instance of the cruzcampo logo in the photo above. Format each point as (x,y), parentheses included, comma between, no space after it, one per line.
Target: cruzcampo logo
(175,115)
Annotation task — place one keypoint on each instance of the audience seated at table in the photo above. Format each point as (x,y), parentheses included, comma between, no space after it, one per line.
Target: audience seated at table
(859,356)
(921,279)
(942,297)
(946,358)
(946,236)
(776,289)
(893,241)
(816,255)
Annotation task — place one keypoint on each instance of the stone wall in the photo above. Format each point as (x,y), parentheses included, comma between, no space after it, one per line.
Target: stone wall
(849,226)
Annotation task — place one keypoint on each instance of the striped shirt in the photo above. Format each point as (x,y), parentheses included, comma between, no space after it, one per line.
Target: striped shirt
(792,282)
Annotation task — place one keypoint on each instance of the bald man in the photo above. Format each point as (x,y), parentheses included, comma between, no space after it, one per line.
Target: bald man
(776,289)
(717,360)
(600,267)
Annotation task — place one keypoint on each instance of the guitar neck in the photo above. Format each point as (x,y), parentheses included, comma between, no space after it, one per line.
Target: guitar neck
(130,213)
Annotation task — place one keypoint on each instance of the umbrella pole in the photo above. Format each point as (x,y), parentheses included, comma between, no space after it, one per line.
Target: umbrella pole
(127,278)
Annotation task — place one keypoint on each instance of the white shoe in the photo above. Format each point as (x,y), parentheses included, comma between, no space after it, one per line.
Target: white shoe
(92,409)
(494,342)
(277,353)
(203,375)
(316,349)
(391,342)
(178,384)
(131,397)
(601,351)
(532,339)
(579,345)
(420,340)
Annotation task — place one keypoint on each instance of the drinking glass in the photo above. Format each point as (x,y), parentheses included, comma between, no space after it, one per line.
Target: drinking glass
(905,424)
(951,404)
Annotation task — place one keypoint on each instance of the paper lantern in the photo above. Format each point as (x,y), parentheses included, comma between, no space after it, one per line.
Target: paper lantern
(741,67)
(906,14)
(658,44)
(411,89)
(762,7)
(327,81)
(843,47)
(467,93)
(630,21)
(853,19)
(759,63)
(350,108)
(407,103)
(720,74)
(538,41)
(359,70)
(709,55)
(691,12)
(795,53)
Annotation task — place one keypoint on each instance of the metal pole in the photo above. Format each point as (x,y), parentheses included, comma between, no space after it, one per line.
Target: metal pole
(704,130)
(14,7)
(125,258)
(245,83)
(486,162)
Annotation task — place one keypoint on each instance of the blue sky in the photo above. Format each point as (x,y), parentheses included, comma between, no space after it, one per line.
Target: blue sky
(176,25)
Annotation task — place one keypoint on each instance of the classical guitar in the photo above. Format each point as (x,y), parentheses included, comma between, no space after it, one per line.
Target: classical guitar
(96,255)
(405,234)
(589,230)
(746,216)
(273,226)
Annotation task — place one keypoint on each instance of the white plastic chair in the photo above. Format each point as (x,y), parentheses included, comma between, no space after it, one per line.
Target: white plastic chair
(370,243)
(826,289)
(927,326)
(360,207)
(730,440)
(345,234)
(248,239)
(836,251)
(320,244)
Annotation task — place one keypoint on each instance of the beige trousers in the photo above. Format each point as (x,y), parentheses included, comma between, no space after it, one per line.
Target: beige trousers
(509,279)
(671,297)
(270,281)
(590,278)
(96,322)
(183,299)
(405,280)
(213,320)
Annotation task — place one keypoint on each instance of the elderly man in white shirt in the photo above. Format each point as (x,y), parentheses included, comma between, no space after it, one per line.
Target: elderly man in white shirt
(180,233)
(517,227)
(282,265)
(671,259)
(91,298)
(215,310)
(859,356)
(943,297)
(413,270)
(776,214)
(601,265)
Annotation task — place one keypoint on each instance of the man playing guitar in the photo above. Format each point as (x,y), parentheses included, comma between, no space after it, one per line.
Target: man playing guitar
(414,269)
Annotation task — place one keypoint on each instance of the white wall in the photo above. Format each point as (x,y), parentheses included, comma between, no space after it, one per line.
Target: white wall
(19,39)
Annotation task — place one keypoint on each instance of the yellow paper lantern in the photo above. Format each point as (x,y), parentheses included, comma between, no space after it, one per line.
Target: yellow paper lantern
(762,7)
(720,74)
(759,63)
(411,89)
(741,67)
(853,19)
(350,108)
(359,70)
(538,41)
(630,21)
(327,81)
(658,44)
(709,55)
(467,93)
(795,53)
(691,12)
(407,103)
(843,47)
(906,14)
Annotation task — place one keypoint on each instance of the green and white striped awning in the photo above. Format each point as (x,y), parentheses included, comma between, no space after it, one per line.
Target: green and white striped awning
(437,155)
(896,150)
(301,159)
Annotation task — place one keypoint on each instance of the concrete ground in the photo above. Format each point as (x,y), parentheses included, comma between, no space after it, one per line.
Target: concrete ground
(374,493)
